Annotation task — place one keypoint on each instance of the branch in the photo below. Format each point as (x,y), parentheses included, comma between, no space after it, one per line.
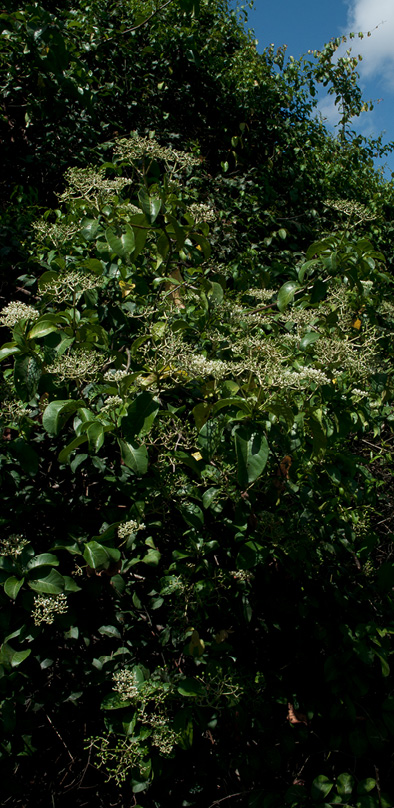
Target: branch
(140,24)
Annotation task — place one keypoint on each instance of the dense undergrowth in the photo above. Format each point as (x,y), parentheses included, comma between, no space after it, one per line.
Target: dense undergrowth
(196,554)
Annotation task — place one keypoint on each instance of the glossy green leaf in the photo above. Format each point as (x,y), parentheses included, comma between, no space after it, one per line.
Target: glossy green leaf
(27,373)
(309,339)
(41,329)
(57,413)
(52,584)
(140,416)
(191,688)
(345,784)
(321,787)
(8,349)
(134,456)
(95,555)
(286,294)
(95,436)
(65,453)
(12,586)
(252,454)
(44,559)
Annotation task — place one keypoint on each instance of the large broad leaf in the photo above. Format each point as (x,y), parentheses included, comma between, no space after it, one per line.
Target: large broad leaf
(8,349)
(52,584)
(43,560)
(96,555)
(122,246)
(95,435)
(56,414)
(309,339)
(321,786)
(140,415)
(286,294)
(191,687)
(12,586)
(252,453)
(27,373)
(345,784)
(134,456)
(41,329)
(149,205)
(10,658)
(64,454)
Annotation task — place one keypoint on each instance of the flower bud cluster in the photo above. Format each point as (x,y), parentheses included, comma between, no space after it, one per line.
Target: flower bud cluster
(13,545)
(47,606)
(15,312)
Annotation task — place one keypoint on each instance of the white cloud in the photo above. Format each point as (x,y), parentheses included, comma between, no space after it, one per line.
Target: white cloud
(377,50)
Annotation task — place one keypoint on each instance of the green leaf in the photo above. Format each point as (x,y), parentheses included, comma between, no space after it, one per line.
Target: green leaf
(64,454)
(150,205)
(252,454)
(109,631)
(115,243)
(134,457)
(10,658)
(41,329)
(114,702)
(96,555)
(366,785)
(192,688)
(57,413)
(43,560)
(12,586)
(128,240)
(27,373)
(52,584)
(95,435)
(286,294)
(225,403)
(345,784)
(309,339)
(321,787)
(384,664)
(8,349)
(140,416)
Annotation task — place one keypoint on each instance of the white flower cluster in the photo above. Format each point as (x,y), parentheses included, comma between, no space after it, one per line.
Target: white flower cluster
(262,294)
(202,212)
(88,182)
(69,283)
(126,684)
(242,575)
(12,411)
(13,545)
(80,365)
(15,312)
(136,147)
(351,208)
(47,606)
(127,528)
(56,232)
(164,737)
(198,365)
(115,375)
(111,403)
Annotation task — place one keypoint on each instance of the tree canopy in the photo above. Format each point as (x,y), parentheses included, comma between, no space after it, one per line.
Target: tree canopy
(196,553)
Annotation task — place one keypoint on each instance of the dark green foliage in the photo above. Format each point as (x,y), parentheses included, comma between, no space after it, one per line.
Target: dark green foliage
(196,549)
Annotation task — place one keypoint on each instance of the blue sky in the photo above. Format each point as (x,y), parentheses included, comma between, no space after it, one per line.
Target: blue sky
(308,24)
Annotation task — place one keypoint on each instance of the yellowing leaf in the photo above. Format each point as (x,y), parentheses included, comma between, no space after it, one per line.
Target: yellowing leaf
(356,323)
(126,288)
(197,455)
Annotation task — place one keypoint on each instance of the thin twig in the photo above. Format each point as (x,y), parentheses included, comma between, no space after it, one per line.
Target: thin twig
(135,27)
(229,797)
(59,736)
